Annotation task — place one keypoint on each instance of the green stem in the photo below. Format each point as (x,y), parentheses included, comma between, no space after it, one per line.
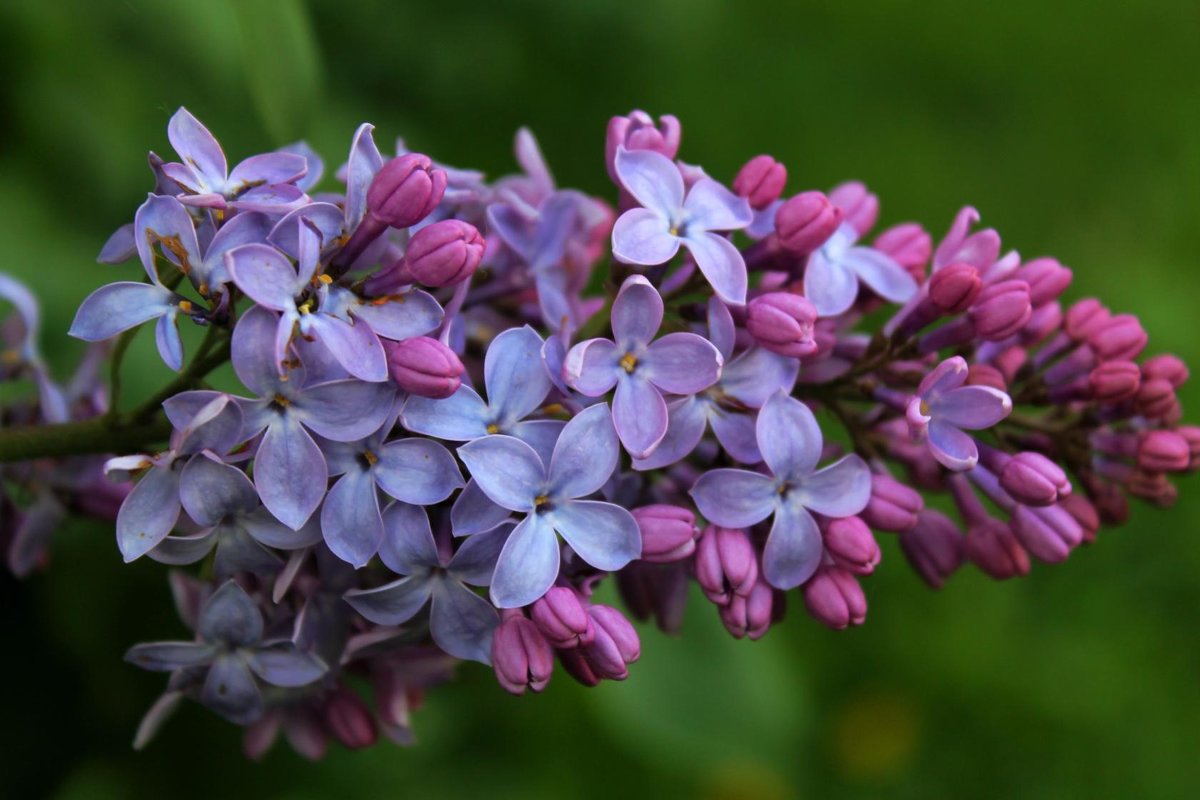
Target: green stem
(86,437)
(114,371)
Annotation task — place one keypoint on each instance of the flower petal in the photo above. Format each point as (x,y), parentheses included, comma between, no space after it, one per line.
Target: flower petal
(685,427)
(652,179)
(878,271)
(325,406)
(640,415)
(712,207)
(461,622)
(408,546)
(641,236)
(350,518)
(413,313)
(354,346)
(230,690)
(243,229)
(266,168)
(506,469)
(540,434)
(721,330)
(736,433)
(170,656)
(417,471)
(722,265)
(393,603)
(197,148)
(474,512)
(789,437)
(840,490)
(513,374)
(265,275)
(166,338)
(971,408)
(793,550)
(475,560)
(118,307)
(602,534)
(585,454)
(148,513)
(163,221)
(949,374)
(461,417)
(952,448)
(211,491)
(252,351)
(682,363)
(528,564)
(756,374)
(284,665)
(364,162)
(830,286)
(289,472)
(734,498)
(269,531)
(590,367)
(230,617)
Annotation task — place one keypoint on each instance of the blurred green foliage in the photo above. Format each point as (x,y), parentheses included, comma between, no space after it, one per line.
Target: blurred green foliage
(1072,126)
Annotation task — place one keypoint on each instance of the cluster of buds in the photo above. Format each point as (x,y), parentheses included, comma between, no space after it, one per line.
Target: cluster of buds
(451,429)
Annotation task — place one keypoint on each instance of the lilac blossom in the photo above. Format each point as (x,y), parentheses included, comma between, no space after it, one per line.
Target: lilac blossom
(641,367)
(943,408)
(668,219)
(790,441)
(514,476)
(836,268)
(460,621)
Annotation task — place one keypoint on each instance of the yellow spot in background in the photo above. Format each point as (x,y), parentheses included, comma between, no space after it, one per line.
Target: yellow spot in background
(744,780)
(875,735)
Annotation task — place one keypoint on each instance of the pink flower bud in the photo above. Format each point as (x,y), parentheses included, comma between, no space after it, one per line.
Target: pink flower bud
(986,375)
(934,547)
(1191,435)
(1119,339)
(992,546)
(782,322)
(760,181)
(1084,513)
(954,287)
(1156,398)
(1001,310)
(616,645)
(1045,321)
(406,190)
(893,506)
(1034,480)
(1163,451)
(1166,366)
(752,615)
(349,719)
(726,563)
(521,656)
(909,245)
(562,617)
(1049,534)
(669,533)
(833,597)
(1083,317)
(1047,279)
(804,222)
(638,132)
(859,207)
(444,253)
(1115,382)
(424,366)
(849,541)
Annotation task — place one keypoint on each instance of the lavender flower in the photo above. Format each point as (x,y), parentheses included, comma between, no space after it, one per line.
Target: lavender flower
(836,268)
(943,407)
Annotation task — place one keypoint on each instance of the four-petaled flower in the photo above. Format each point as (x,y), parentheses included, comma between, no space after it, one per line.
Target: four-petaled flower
(834,271)
(943,407)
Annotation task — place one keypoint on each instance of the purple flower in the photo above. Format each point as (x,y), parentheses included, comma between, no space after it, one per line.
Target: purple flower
(230,652)
(653,234)
(640,367)
(943,407)
(264,182)
(834,271)
(728,406)
(460,621)
(790,441)
(289,470)
(19,337)
(514,476)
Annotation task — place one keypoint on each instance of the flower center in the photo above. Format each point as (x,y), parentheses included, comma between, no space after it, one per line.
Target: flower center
(924,408)
(493,428)
(628,362)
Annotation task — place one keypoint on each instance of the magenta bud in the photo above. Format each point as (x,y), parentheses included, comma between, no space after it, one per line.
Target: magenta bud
(909,245)
(1156,398)
(1047,279)
(1084,512)
(804,222)
(1083,317)
(1044,321)
(638,132)
(406,190)
(1111,502)
(834,597)
(521,656)
(1049,534)
(1166,366)
(849,541)
(1191,435)
(616,643)
(986,375)
(760,181)
(1119,339)
(752,615)
(992,546)
(860,208)
(934,547)
(893,506)
(1001,310)
(954,287)
(669,533)
(782,322)
(562,617)
(444,253)
(1115,382)
(726,563)
(349,719)
(424,366)
(1163,451)
(1034,480)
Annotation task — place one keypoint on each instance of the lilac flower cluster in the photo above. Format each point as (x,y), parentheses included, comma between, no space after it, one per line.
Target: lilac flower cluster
(452,428)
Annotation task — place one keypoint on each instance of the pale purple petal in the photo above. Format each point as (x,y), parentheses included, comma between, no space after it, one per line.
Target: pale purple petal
(757,374)
(148,513)
(118,307)
(278,199)
(284,665)
(528,564)
(540,434)
(243,229)
(734,498)
(880,273)
(585,455)
(712,207)
(637,313)
(289,472)
(972,408)
(364,162)
(789,437)
(722,265)
(474,512)
(350,518)
(314,166)
(461,417)
(180,550)
(682,363)
(737,435)
(954,449)
(230,617)
(408,546)
(230,690)
(721,330)
(417,471)
(266,168)
(793,550)
(166,338)
(640,415)
(506,469)
(354,346)
(120,247)
(461,622)
(591,367)
(475,560)
(556,221)
(513,227)
(197,148)
(164,221)
(602,534)
(324,408)
(831,287)
(413,313)
(513,374)
(685,427)
(652,179)
(170,656)
(950,374)
(393,603)
(252,358)
(208,420)
(840,490)
(325,217)
(642,236)
(273,533)
(210,491)
(265,275)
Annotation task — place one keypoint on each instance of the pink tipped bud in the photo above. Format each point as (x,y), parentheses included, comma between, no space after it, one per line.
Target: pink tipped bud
(849,541)
(993,547)
(752,615)
(834,597)
(1049,534)
(638,132)
(1191,435)
(521,656)
(1083,317)
(1045,321)
(955,287)
(760,181)
(406,190)
(424,367)
(1115,382)
(782,322)
(562,617)
(349,720)
(1119,339)
(726,563)
(986,375)
(669,533)
(1156,398)
(1047,279)
(893,506)
(444,253)
(909,245)
(1169,368)
(1001,310)
(1084,513)
(1163,451)
(859,207)
(616,643)
(934,547)
(1034,480)
(804,222)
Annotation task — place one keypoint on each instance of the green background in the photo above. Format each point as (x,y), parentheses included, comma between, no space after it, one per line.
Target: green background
(1072,126)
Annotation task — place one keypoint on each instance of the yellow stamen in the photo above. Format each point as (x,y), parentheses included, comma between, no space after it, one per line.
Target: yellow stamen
(628,362)
(185,306)
(493,428)
(371,458)
(280,400)
(541,500)
(325,279)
